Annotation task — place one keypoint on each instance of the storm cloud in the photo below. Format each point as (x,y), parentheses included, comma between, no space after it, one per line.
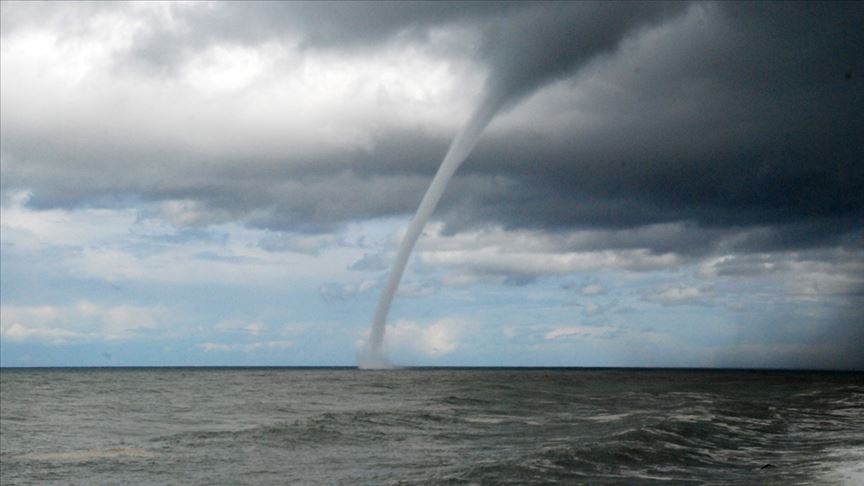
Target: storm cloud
(720,116)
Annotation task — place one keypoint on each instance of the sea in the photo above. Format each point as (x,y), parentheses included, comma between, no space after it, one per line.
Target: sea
(429,426)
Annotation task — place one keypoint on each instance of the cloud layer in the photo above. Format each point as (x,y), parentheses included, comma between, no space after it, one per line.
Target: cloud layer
(722,116)
(638,138)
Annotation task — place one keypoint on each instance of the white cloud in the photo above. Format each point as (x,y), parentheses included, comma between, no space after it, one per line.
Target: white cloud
(593,289)
(592,309)
(32,229)
(300,243)
(496,252)
(625,345)
(811,280)
(186,212)
(18,332)
(222,70)
(253,328)
(459,279)
(244,347)
(806,276)
(579,331)
(680,294)
(34,314)
(269,99)
(119,322)
(118,245)
(433,340)
(416,289)
(82,321)
(497,261)
(109,264)
(332,292)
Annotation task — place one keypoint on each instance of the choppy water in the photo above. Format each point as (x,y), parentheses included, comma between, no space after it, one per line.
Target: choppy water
(429,426)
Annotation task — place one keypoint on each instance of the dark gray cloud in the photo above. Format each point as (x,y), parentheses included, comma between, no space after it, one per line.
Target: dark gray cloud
(726,119)
(745,117)
(533,47)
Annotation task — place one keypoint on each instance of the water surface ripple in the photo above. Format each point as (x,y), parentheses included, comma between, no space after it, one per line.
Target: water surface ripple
(429,426)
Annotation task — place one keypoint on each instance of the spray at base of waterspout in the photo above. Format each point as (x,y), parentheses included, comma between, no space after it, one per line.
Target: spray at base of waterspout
(373,358)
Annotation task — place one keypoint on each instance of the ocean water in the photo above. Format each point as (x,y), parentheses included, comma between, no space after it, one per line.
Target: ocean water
(429,426)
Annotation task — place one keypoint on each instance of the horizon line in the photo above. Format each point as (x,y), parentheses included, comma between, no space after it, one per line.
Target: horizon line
(438,367)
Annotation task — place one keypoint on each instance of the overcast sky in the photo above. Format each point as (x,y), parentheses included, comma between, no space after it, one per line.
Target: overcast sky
(667,184)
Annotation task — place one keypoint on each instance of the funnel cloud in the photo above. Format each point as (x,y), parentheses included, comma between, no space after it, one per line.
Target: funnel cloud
(526,52)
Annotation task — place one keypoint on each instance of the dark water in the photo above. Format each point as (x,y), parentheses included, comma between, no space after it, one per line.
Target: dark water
(429,426)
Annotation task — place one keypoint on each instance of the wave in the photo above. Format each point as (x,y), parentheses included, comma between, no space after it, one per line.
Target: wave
(325,429)
(90,455)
